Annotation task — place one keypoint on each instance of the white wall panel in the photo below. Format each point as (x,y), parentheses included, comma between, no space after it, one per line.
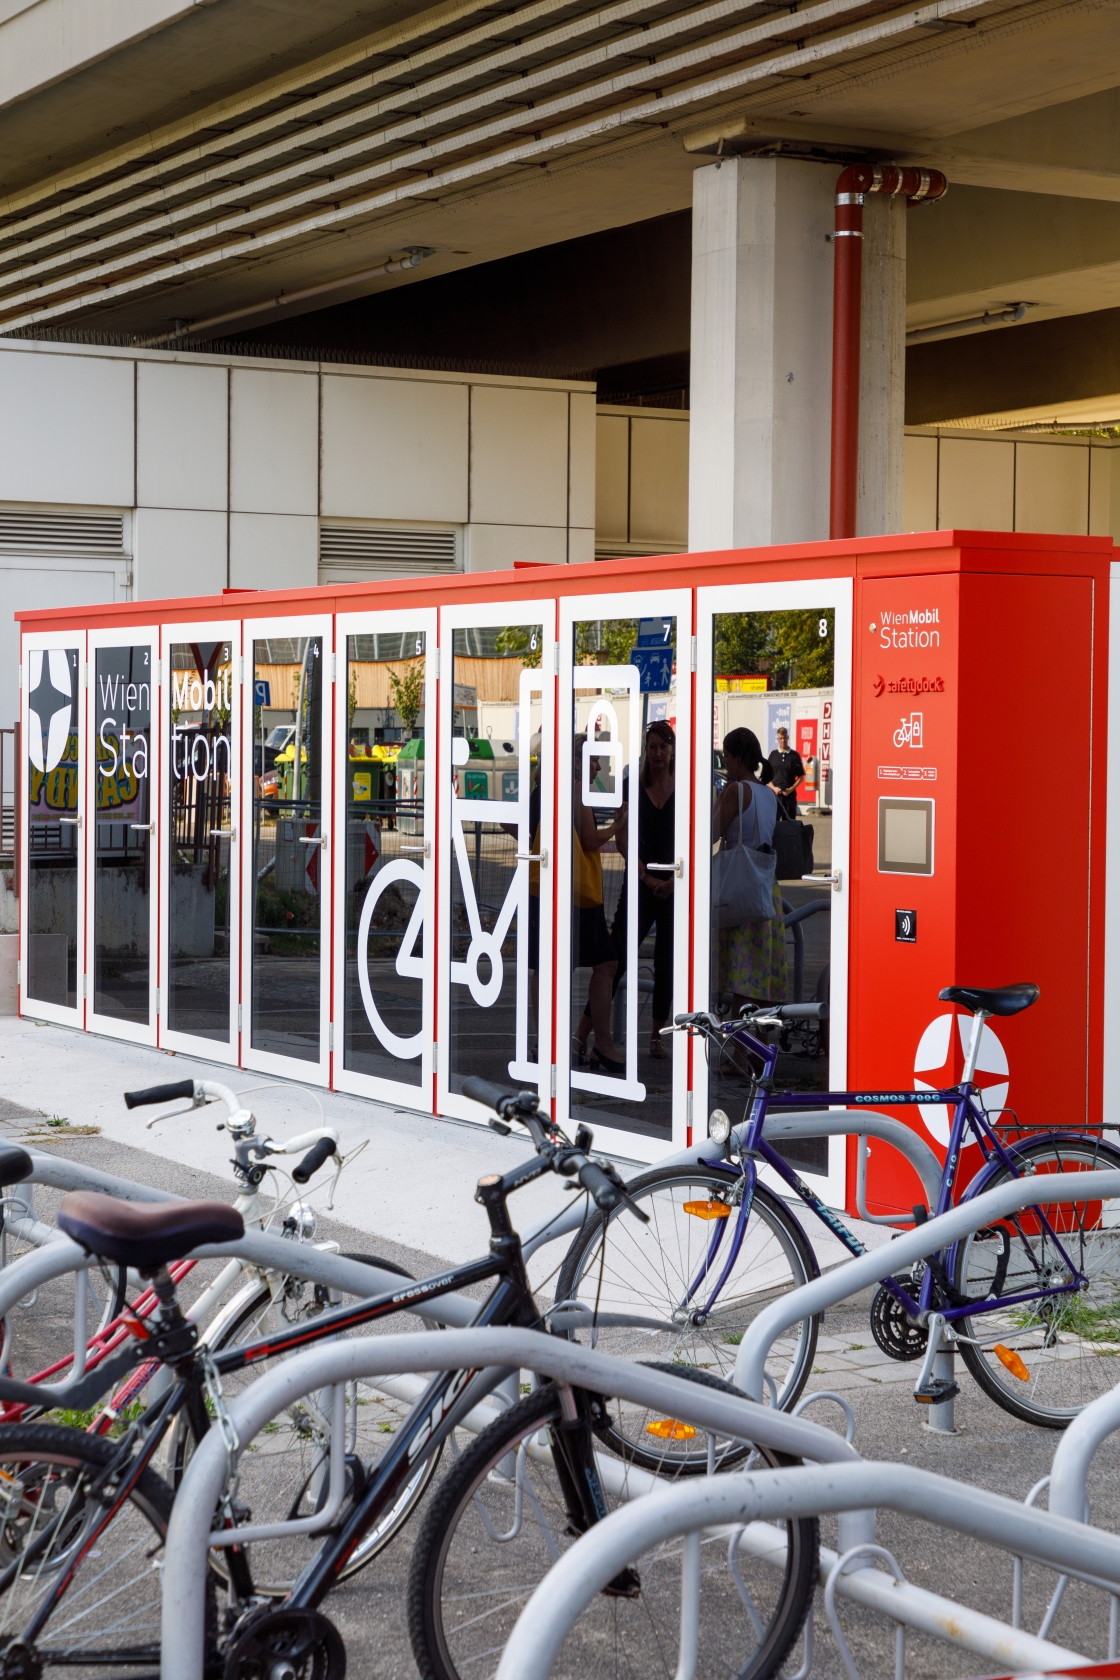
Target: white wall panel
(519,456)
(612,477)
(179,551)
(659,481)
(581,547)
(919,484)
(27,585)
(494,548)
(394,449)
(581,458)
(273,551)
(977,485)
(182,424)
(1051,488)
(274,441)
(66,429)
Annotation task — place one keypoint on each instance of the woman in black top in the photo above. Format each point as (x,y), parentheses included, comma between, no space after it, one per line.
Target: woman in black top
(656,844)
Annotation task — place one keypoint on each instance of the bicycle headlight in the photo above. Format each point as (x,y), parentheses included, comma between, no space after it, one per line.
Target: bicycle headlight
(719,1126)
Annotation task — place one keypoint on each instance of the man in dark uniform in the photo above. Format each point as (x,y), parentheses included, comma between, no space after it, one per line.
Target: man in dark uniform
(787,774)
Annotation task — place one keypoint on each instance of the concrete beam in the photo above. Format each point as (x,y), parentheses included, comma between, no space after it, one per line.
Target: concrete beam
(1014,368)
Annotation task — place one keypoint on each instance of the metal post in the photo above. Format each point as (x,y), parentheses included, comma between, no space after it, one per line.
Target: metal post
(941,1414)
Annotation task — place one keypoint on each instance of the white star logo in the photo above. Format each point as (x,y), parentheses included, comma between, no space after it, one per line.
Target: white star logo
(49,705)
(940,1053)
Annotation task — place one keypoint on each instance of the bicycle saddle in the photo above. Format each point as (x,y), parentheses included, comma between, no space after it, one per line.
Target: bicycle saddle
(15,1164)
(145,1234)
(993,1000)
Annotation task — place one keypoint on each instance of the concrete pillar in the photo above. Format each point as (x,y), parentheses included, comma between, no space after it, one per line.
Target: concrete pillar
(882,368)
(760,442)
(761,353)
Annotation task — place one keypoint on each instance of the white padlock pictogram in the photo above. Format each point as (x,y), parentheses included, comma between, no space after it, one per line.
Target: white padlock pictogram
(611,749)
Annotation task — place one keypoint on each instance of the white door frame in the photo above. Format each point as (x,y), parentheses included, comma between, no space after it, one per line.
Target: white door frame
(473,616)
(126,635)
(783,597)
(656,603)
(423,619)
(208,1048)
(267,1061)
(44,642)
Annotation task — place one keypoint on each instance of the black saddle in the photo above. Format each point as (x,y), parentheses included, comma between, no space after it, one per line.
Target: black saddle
(145,1234)
(15,1165)
(993,1000)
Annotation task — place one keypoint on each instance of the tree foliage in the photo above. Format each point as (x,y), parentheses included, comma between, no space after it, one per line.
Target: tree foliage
(408,692)
(788,647)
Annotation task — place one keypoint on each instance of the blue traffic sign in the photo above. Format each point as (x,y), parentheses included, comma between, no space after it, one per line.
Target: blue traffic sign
(654,632)
(262,693)
(655,666)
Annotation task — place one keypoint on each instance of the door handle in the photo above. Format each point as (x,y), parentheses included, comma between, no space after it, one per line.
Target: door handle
(222,833)
(426,848)
(676,868)
(533,857)
(76,822)
(145,828)
(313,840)
(835,879)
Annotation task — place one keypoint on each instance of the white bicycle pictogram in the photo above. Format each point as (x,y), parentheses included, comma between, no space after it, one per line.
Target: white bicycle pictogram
(909,732)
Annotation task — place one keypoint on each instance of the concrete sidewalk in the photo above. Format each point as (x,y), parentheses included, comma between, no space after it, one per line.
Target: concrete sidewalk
(413,1185)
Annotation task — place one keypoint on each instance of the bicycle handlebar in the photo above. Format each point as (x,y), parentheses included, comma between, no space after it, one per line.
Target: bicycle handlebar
(509,1104)
(159,1094)
(313,1160)
(602,1192)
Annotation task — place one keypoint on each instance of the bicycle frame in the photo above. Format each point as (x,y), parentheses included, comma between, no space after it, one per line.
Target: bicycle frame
(448,1396)
(968,1117)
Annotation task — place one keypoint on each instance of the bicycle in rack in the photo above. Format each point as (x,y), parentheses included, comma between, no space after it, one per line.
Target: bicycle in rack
(85,1516)
(1031,1303)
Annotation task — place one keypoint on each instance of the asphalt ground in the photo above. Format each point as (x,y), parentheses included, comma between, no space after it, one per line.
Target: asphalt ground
(992,1450)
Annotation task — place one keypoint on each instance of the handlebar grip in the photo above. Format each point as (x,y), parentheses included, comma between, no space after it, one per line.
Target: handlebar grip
(485,1092)
(803,1011)
(313,1160)
(159,1093)
(603,1192)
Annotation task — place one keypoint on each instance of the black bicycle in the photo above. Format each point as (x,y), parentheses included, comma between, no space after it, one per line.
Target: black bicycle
(83,1518)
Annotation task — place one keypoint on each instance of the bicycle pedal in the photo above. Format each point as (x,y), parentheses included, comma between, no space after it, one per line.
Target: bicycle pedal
(626,1584)
(935,1392)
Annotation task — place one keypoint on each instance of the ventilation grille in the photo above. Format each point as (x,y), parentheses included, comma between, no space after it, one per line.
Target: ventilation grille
(61,532)
(348,553)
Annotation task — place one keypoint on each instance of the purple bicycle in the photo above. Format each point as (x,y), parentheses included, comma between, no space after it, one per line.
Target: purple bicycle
(1031,1303)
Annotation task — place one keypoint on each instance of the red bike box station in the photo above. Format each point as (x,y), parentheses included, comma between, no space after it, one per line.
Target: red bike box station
(334,834)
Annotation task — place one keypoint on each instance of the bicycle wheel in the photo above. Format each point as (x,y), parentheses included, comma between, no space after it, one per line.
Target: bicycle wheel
(627,1267)
(284,1471)
(497,1523)
(1060,1351)
(110,1613)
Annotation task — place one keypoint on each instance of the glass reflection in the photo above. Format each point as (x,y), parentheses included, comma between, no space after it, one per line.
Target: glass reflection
(772,744)
(53,778)
(288,843)
(624,852)
(122,875)
(386,847)
(200,816)
(495,778)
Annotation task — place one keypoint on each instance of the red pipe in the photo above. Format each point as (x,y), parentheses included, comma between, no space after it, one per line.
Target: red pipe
(854,182)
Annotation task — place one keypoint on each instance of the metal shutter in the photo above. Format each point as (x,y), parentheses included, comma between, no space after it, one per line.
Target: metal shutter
(351,553)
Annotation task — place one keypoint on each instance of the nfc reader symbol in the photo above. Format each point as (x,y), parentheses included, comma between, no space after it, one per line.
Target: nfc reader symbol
(906,926)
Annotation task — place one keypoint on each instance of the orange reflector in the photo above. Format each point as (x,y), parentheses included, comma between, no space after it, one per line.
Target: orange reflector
(1010,1359)
(707,1210)
(670,1429)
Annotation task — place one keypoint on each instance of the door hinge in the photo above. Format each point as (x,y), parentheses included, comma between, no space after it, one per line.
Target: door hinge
(556,659)
(239,1017)
(435,1058)
(552,1081)
(157,1000)
(692,655)
(334,667)
(241,670)
(330,1029)
(688,1110)
(435,656)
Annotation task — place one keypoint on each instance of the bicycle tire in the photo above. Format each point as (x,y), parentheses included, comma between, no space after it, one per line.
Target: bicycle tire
(648,1268)
(379,1420)
(616,1636)
(1067,1343)
(52,1456)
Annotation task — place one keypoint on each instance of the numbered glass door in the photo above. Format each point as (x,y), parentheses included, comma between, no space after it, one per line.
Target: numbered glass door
(774,691)
(287,851)
(199,861)
(385,798)
(122,777)
(497,691)
(622,860)
(52,884)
